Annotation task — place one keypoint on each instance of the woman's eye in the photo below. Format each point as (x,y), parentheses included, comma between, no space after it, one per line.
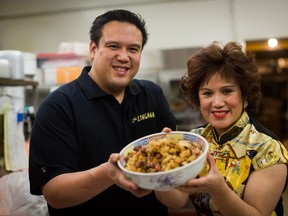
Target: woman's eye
(227,91)
(207,93)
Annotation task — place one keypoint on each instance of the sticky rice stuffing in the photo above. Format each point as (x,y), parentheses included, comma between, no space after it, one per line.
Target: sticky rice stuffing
(162,155)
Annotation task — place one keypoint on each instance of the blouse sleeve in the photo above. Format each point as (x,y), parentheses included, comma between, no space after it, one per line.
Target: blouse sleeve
(271,153)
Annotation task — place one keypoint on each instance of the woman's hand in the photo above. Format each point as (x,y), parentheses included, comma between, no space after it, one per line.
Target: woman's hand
(213,183)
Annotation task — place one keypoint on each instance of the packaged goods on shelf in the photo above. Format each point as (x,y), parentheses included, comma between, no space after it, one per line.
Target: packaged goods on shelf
(61,68)
(20,63)
(4,68)
(79,48)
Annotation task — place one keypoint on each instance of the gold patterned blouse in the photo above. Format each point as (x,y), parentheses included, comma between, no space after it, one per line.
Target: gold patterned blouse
(247,146)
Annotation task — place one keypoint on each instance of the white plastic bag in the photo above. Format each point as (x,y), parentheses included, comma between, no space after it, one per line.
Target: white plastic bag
(15,197)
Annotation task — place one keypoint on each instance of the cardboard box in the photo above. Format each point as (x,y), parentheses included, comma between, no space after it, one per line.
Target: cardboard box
(67,74)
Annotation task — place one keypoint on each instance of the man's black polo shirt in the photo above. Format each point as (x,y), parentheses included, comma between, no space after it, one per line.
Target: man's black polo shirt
(78,126)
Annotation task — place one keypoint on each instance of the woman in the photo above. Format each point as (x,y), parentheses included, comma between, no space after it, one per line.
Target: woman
(247,168)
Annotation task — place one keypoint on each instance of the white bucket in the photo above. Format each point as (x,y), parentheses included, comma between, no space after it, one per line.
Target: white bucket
(15,59)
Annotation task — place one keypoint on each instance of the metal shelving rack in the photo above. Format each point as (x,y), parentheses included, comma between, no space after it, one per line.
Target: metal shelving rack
(22,82)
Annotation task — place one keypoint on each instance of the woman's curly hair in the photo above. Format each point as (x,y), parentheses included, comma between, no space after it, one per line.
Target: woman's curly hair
(232,64)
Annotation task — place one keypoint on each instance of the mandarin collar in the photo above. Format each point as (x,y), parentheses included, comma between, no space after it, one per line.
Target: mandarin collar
(232,132)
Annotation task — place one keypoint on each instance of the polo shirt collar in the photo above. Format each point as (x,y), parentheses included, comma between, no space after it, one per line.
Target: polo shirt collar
(92,90)
(133,88)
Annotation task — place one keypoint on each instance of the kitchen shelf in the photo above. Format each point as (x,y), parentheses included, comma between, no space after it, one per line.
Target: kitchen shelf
(274,77)
(17,82)
(6,82)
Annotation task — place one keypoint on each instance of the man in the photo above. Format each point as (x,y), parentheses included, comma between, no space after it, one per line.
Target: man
(80,127)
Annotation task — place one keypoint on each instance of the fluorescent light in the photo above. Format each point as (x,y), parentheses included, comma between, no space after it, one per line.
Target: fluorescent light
(272,42)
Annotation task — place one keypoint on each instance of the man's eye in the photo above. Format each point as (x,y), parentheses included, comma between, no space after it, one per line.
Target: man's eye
(134,50)
(113,46)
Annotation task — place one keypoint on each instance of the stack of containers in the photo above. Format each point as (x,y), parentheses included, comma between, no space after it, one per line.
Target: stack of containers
(15,65)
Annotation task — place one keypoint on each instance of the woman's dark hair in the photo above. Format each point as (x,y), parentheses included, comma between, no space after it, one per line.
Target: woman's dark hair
(121,16)
(231,63)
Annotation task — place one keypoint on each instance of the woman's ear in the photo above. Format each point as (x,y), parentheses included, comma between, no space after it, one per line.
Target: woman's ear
(245,104)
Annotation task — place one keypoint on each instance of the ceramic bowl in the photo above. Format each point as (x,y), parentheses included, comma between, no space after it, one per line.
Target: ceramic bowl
(166,180)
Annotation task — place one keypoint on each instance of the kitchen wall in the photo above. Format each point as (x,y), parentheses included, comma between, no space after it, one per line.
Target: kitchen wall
(172,24)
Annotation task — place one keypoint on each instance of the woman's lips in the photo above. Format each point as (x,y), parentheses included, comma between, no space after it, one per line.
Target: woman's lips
(219,114)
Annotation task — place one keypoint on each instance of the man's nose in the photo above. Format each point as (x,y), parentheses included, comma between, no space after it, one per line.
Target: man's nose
(123,55)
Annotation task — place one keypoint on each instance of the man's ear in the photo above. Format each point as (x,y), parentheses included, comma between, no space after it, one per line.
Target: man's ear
(92,49)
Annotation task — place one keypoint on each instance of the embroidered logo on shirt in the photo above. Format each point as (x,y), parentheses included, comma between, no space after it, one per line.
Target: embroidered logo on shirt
(143,117)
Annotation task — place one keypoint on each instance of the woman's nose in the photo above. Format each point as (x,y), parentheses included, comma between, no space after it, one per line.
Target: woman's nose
(218,101)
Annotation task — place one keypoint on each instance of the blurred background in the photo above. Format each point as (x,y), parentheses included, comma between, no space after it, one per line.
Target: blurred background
(47,42)
(44,44)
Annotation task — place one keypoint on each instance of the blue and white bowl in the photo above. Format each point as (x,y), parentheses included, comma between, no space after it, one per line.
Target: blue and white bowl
(166,180)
